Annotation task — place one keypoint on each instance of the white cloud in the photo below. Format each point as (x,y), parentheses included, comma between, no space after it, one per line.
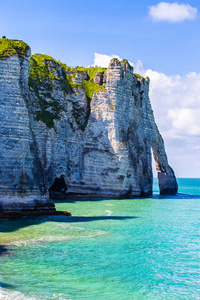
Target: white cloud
(138,68)
(172,12)
(185,120)
(176,104)
(102,60)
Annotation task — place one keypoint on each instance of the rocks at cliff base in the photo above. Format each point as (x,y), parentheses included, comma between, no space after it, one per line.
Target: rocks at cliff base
(4,251)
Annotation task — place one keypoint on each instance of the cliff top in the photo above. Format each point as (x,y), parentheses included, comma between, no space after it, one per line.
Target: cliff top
(9,47)
(44,67)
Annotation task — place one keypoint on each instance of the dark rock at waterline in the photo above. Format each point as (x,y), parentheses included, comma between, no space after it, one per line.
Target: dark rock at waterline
(5,251)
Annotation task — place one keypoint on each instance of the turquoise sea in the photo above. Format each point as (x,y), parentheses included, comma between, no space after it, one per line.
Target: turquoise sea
(110,249)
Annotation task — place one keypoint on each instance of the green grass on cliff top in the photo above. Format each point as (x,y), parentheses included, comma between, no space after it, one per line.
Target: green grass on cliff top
(45,71)
(9,47)
(88,85)
(43,75)
(137,75)
(40,71)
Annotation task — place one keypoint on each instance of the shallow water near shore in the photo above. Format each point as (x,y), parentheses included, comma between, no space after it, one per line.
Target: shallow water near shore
(118,249)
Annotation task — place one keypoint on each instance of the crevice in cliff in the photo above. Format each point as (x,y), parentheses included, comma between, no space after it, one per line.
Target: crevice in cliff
(58,188)
(34,178)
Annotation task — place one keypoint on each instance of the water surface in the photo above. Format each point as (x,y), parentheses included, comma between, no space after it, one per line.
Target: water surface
(118,249)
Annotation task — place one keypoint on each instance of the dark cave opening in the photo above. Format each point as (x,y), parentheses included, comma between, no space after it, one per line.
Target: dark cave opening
(58,188)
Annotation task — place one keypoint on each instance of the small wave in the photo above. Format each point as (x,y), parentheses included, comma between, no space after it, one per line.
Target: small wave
(100,232)
(69,226)
(7,295)
(50,239)
(40,240)
(109,212)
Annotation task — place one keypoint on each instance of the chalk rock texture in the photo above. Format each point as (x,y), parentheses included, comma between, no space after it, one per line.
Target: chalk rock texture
(57,139)
(21,174)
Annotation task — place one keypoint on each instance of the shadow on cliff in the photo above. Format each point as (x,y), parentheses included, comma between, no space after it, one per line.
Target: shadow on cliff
(15,224)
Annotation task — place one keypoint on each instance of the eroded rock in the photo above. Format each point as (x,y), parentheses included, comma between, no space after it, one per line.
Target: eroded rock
(97,143)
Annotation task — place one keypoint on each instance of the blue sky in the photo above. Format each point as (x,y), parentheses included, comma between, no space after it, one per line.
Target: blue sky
(73,31)
(161,40)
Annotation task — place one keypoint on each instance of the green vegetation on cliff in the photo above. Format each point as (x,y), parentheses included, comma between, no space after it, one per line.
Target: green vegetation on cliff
(42,79)
(138,76)
(115,60)
(46,73)
(9,47)
(124,61)
(89,86)
(44,70)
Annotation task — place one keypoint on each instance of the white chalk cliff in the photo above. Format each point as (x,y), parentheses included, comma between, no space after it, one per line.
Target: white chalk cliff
(68,134)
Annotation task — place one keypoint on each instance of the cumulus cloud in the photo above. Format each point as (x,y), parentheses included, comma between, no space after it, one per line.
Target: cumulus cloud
(176,104)
(176,101)
(102,60)
(172,12)
(139,68)
(185,120)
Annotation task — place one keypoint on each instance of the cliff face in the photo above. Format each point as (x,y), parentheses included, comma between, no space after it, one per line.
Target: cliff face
(21,175)
(76,132)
